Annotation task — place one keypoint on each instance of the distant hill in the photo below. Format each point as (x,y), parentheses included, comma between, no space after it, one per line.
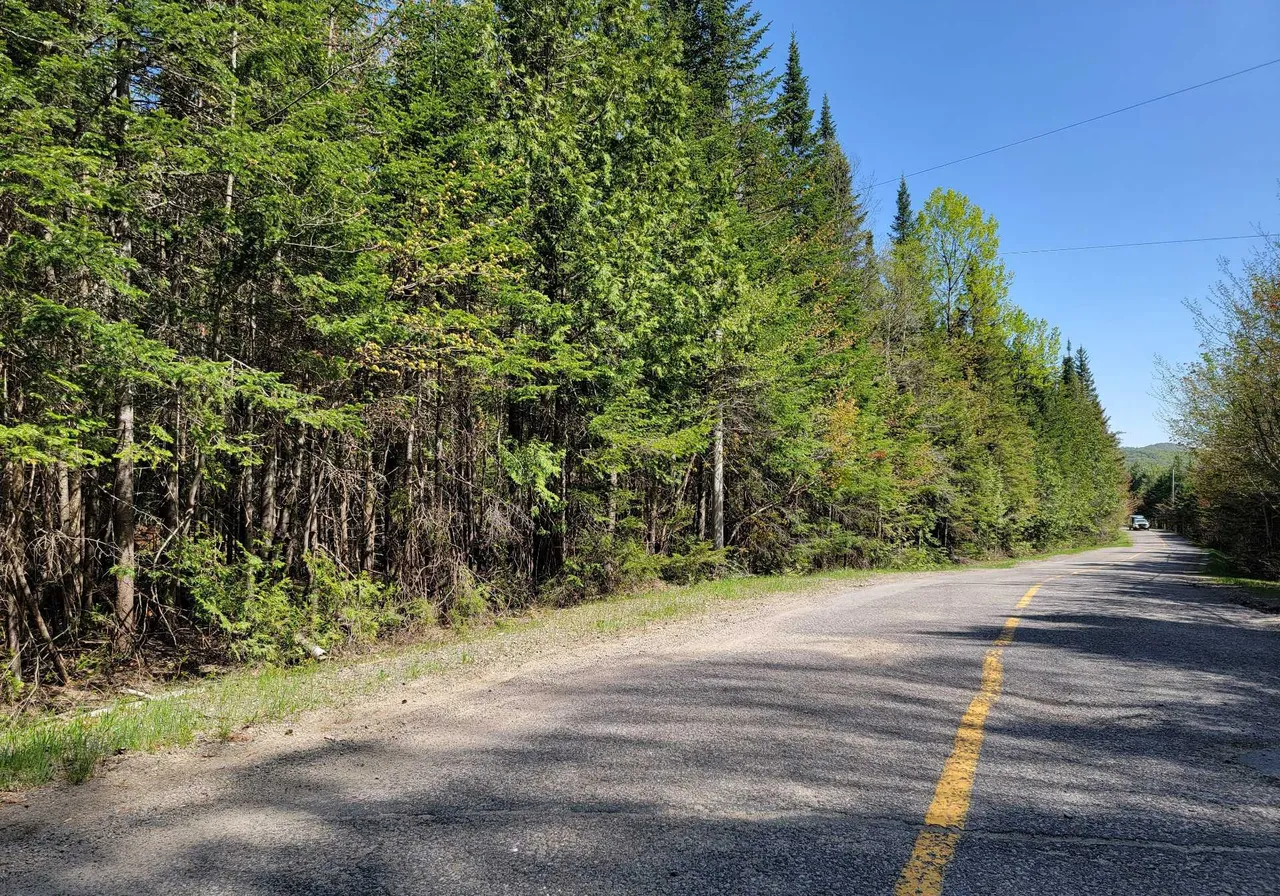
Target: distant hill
(1158,456)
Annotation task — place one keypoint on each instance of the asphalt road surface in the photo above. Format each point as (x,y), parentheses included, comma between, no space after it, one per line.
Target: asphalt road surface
(1112,731)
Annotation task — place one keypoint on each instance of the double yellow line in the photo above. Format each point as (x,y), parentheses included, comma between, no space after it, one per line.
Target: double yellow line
(944,821)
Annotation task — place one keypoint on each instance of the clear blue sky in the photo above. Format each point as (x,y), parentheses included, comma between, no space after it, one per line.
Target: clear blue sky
(913,84)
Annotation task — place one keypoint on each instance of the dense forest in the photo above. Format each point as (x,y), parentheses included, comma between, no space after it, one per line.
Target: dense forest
(1226,408)
(317,320)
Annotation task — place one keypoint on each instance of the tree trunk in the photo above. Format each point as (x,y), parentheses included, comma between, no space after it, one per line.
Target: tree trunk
(613,500)
(369,550)
(267,510)
(37,618)
(124,524)
(717,480)
(10,546)
(71,526)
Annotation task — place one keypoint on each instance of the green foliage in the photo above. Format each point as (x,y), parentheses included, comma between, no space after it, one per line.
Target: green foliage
(317,320)
(698,562)
(605,563)
(1227,408)
(469,601)
(266,616)
(904,219)
(794,116)
(248,600)
(1155,457)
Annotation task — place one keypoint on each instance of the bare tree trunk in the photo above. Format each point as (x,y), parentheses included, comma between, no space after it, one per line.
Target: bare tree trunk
(369,551)
(344,524)
(229,190)
(613,500)
(284,527)
(71,525)
(700,509)
(438,469)
(311,530)
(267,510)
(9,486)
(193,492)
(33,609)
(124,524)
(717,480)
(13,634)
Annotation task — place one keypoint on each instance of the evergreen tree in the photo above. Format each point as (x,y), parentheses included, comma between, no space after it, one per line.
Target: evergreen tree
(1070,376)
(794,116)
(314,320)
(904,220)
(826,123)
(1084,375)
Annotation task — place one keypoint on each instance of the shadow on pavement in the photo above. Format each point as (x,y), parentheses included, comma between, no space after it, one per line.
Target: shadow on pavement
(1107,769)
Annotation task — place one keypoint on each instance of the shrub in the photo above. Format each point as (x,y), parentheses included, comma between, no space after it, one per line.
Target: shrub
(265,615)
(697,563)
(604,563)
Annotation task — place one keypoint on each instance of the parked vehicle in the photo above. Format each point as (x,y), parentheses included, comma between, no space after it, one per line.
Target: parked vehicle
(1138,521)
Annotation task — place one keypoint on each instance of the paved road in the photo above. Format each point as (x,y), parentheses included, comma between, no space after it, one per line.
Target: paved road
(794,753)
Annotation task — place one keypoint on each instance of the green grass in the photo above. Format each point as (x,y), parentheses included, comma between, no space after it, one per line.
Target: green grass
(37,749)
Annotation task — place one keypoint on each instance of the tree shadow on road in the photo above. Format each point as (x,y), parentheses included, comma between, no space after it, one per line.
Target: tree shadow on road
(801,769)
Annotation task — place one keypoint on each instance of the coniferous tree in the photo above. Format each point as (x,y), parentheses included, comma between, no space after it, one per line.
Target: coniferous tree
(1084,375)
(1070,376)
(826,123)
(904,220)
(315,320)
(794,115)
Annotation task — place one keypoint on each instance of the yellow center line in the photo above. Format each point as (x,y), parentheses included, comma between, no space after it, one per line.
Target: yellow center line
(944,820)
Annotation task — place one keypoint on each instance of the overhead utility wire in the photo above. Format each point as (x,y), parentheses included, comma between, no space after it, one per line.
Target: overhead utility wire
(1201,239)
(1076,124)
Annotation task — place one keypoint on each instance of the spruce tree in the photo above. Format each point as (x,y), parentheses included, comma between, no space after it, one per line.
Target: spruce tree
(826,123)
(1084,374)
(904,220)
(794,117)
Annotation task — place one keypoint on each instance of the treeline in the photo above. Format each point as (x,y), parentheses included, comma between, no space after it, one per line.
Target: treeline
(1162,491)
(317,318)
(1226,407)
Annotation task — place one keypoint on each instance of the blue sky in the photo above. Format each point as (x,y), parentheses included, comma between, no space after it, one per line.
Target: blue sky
(913,84)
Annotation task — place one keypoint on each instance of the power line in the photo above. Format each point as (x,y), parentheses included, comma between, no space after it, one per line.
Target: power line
(1201,239)
(1076,124)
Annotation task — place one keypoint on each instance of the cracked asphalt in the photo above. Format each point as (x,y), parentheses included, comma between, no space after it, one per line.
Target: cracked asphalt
(793,749)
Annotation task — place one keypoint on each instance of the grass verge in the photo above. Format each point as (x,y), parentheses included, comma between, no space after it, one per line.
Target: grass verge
(1260,594)
(37,749)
